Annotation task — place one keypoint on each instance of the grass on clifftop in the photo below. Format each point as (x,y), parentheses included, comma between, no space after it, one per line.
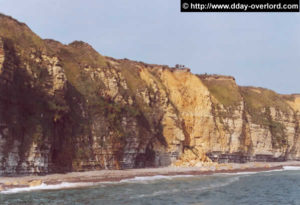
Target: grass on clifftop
(19,33)
(258,98)
(76,57)
(258,103)
(224,90)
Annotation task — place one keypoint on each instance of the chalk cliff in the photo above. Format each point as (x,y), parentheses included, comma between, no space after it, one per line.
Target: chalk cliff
(68,108)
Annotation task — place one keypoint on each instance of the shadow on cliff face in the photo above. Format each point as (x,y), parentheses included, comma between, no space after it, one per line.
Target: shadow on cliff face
(155,141)
(64,128)
(30,116)
(21,106)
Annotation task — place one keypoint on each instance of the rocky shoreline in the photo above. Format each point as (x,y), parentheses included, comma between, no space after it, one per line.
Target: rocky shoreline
(90,177)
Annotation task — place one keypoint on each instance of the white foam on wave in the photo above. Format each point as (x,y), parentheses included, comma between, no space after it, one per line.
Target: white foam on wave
(291,168)
(250,173)
(156,193)
(219,184)
(200,189)
(153,178)
(237,173)
(67,185)
(274,170)
(43,186)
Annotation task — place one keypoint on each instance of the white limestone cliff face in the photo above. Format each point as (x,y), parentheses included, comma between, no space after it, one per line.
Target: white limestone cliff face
(56,72)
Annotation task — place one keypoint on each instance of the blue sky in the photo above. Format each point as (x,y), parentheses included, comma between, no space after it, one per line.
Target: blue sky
(259,49)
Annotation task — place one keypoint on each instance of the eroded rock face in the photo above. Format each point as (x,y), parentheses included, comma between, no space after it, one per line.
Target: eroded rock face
(1,55)
(67,108)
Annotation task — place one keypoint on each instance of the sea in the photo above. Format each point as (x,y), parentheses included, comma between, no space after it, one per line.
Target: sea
(277,187)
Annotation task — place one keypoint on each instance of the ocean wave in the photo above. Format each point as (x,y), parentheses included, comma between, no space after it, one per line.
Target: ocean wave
(67,185)
(291,168)
(236,173)
(218,184)
(274,170)
(156,193)
(257,172)
(153,178)
(43,186)
(200,189)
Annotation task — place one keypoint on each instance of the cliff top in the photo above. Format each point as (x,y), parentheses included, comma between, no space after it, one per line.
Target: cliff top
(18,32)
(81,45)
(79,54)
(4,17)
(215,77)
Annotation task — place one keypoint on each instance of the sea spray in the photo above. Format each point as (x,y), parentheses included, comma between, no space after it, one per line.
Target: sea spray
(291,168)
(153,178)
(43,186)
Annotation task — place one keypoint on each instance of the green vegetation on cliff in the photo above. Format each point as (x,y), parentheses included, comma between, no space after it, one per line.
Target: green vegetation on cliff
(258,102)
(223,88)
